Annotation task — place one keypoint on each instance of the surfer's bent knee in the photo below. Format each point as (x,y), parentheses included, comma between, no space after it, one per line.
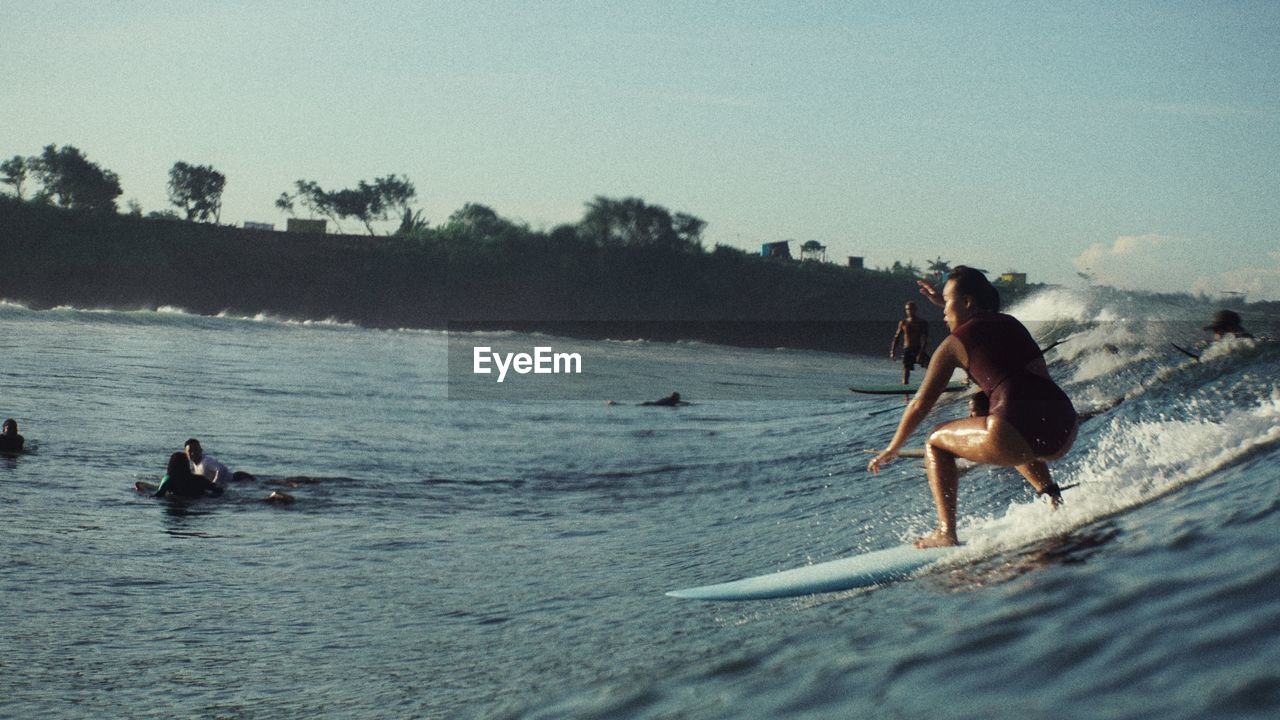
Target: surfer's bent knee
(936,442)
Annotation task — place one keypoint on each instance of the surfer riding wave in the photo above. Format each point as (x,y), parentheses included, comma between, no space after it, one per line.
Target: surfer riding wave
(1031,419)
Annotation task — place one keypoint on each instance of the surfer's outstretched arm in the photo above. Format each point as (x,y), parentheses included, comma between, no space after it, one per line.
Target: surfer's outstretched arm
(945,361)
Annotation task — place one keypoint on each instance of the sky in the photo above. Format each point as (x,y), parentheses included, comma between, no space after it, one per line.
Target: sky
(1137,143)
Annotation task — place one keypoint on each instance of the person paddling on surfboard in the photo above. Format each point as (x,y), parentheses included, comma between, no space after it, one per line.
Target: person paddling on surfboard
(180,481)
(672,400)
(209,466)
(1031,419)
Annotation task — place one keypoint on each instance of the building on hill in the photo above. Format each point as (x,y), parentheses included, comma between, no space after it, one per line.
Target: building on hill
(813,250)
(780,249)
(298,225)
(1012,280)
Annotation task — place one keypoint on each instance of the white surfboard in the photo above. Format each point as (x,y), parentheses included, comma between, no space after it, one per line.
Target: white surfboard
(873,568)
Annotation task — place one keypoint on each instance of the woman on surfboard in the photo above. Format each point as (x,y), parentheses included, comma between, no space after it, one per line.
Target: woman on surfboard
(1031,419)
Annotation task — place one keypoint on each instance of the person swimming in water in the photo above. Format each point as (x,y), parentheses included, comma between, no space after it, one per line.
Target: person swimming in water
(672,400)
(1031,420)
(179,481)
(10,440)
(211,467)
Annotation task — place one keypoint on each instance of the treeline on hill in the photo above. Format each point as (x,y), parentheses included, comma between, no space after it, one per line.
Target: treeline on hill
(626,270)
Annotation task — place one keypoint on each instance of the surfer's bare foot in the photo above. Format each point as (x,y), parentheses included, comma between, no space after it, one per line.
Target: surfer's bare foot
(938,538)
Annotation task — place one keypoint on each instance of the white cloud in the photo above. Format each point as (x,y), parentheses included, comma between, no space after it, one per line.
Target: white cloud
(1131,261)
(1166,264)
(1260,281)
(1130,244)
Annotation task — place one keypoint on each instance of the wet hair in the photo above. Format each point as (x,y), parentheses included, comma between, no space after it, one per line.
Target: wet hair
(11,423)
(178,466)
(192,443)
(973,283)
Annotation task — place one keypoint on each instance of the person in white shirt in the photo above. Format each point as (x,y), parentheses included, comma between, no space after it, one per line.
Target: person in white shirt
(207,465)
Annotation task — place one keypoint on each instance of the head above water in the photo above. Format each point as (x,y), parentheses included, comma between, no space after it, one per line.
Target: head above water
(1225,321)
(193,450)
(177,466)
(10,427)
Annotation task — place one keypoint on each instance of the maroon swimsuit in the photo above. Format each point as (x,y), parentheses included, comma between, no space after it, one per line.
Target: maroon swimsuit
(1000,350)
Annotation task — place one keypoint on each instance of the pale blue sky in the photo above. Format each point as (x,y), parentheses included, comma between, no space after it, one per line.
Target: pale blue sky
(1139,140)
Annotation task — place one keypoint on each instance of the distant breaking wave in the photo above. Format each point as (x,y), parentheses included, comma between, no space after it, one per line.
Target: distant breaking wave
(165,314)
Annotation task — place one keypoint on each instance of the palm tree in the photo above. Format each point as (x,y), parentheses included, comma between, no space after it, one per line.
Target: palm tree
(939,268)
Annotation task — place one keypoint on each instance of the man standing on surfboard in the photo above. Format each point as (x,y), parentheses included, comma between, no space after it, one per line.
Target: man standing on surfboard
(1031,419)
(914,333)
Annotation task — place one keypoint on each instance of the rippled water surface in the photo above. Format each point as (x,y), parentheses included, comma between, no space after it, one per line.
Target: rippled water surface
(453,556)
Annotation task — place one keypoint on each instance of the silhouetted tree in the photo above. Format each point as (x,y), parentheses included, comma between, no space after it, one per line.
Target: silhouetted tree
(396,194)
(631,222)
(688,229)
(939,268)
(412,224)
(285,203)
(366,202)
(908,270)
(197,191)
(69,180)
(311,196)
(14,172)
(477,218)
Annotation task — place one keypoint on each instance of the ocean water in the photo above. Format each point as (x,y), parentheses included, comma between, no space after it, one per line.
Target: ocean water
(466,550)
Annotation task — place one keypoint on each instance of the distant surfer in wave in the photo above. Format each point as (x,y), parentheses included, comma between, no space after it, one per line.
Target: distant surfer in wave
(1031,419)
(10,440)
(914,333)
(1226,323)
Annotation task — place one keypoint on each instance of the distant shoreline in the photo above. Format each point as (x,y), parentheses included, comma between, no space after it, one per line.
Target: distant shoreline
(59,257)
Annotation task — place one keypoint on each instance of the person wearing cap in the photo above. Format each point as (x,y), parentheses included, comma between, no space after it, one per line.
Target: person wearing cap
(1226,322)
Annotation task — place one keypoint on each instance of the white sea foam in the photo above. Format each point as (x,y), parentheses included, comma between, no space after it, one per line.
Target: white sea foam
(1134,463)
(1054,305)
